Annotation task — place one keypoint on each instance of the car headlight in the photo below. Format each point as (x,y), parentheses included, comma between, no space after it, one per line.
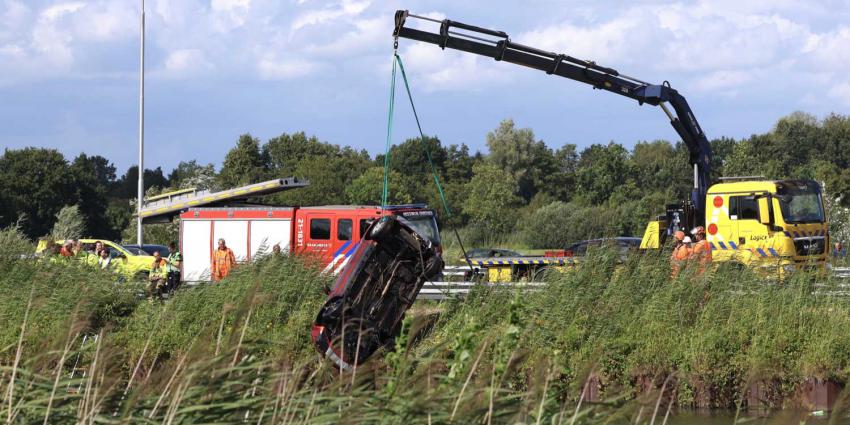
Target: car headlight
(789,268)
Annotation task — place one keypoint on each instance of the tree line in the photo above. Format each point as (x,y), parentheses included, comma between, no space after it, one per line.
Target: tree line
(540,196)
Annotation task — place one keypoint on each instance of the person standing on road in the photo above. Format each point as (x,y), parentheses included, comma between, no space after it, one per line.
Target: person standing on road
(175,264)
(223,261)
(157,276)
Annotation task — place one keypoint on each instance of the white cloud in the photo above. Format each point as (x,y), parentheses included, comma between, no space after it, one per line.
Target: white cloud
(367,34)
(229,14)
(711,46)
(345,8)
(58,10)
(185,62)
(609,42)
(830,49)
(15,16)
(12,50)
(270,68)
(433,69)
(724,83)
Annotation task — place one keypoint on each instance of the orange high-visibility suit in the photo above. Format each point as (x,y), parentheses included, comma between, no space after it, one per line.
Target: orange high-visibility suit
(680,254)
(223,261)
(702,252)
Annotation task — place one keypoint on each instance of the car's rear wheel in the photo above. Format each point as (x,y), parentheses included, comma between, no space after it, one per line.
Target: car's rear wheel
(382,229)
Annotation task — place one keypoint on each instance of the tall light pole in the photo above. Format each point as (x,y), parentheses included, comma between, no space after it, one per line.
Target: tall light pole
(140,200)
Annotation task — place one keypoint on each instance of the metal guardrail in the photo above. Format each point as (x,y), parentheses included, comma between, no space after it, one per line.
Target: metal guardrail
(452,289)
(841,272)
(449,290)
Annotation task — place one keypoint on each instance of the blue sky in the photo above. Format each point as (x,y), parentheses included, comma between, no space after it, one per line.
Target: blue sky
(220,68)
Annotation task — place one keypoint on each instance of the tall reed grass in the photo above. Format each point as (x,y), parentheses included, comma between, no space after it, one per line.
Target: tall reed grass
(608,342)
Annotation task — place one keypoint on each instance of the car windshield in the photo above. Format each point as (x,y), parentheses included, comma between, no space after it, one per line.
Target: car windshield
(800,202)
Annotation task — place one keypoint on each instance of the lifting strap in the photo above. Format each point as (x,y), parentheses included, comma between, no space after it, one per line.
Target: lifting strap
(397,60)
(385,192)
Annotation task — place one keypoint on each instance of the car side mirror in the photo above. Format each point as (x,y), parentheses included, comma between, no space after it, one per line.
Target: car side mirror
(764,210)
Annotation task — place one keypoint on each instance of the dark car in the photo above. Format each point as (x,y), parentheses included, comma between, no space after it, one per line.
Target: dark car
(491,252)
(365,308)
(625,244)
(148,249)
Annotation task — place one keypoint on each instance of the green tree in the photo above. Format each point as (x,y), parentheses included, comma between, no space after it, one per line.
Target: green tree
(459,163)
(410,158)
(560,223)
(721,150)
(517,152)
(836,137)
(93,176)
(367,189)
(560,184)
(70,223)
(284,152)
(34,182)
(119,212)
(244,164)
(329,177)
(660,167)
(189,174)
(491,197)
(128,185)
(601,169)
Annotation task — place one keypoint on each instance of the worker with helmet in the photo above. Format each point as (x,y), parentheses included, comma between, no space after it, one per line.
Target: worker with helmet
(702,249)
(681,253)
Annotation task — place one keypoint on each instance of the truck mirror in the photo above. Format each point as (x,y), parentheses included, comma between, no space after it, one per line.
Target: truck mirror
(764,210)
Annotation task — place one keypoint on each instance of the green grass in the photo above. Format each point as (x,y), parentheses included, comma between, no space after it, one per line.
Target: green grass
(239,351)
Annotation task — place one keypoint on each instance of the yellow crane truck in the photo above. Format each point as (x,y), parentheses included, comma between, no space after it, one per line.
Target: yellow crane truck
(771,225)
(767,224)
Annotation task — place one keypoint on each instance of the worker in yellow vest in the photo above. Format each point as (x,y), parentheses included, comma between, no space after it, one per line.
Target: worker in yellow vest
(175,265)
(157,276)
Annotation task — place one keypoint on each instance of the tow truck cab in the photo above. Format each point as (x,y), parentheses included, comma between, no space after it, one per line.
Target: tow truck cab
(767,223)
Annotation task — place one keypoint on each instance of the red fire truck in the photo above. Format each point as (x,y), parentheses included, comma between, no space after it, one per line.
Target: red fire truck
(328,233)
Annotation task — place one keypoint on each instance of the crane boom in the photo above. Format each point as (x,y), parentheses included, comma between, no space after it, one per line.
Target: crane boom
(498,45)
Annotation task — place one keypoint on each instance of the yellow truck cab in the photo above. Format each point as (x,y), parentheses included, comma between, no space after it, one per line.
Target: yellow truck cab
(767,223)
(776,226)
(125,262)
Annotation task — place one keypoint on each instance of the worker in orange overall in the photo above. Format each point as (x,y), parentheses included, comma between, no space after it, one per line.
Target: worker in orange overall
(223,261)
(702,249)
(681,253)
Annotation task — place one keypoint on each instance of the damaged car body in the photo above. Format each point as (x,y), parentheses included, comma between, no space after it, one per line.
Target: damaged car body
(367,303)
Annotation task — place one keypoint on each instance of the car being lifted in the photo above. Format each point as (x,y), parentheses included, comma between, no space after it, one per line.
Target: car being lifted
(365,307)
